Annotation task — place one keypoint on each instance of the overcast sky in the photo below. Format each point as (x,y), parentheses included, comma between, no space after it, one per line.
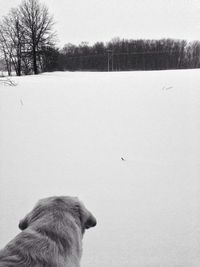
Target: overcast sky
(102,20)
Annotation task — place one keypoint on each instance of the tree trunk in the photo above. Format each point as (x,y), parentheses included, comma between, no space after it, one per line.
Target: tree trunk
(35,67)
(19,65)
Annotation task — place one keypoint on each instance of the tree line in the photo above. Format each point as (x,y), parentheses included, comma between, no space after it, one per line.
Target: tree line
(28,45)
(122,55)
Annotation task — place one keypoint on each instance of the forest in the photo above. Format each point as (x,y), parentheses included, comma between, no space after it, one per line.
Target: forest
(125,55)
(28,45)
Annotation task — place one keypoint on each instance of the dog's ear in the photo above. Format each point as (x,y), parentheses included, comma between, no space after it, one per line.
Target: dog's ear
(90,222)
(23,224)
(30,217)
(86,218)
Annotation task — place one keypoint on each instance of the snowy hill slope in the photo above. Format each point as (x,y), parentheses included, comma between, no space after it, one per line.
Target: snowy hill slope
(65,133)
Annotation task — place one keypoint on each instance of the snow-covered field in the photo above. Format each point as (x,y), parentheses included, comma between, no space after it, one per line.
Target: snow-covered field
(65,133)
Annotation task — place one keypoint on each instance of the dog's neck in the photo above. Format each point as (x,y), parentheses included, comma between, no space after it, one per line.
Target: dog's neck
(66,233)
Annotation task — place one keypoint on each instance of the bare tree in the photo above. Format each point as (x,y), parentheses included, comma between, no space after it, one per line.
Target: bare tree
(37,24)
(15,34)
(12,40)
(5,48)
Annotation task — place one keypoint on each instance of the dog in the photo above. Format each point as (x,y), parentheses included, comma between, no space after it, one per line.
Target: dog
(51,235)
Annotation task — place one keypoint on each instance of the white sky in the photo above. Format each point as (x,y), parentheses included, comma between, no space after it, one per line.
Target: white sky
(102,20)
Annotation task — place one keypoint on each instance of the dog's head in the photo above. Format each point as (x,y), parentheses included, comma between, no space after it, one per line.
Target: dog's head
(57,207)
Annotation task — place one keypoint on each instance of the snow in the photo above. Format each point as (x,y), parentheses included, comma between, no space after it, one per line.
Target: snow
(65,133)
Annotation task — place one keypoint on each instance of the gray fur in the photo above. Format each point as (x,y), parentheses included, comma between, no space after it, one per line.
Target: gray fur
(51,235)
